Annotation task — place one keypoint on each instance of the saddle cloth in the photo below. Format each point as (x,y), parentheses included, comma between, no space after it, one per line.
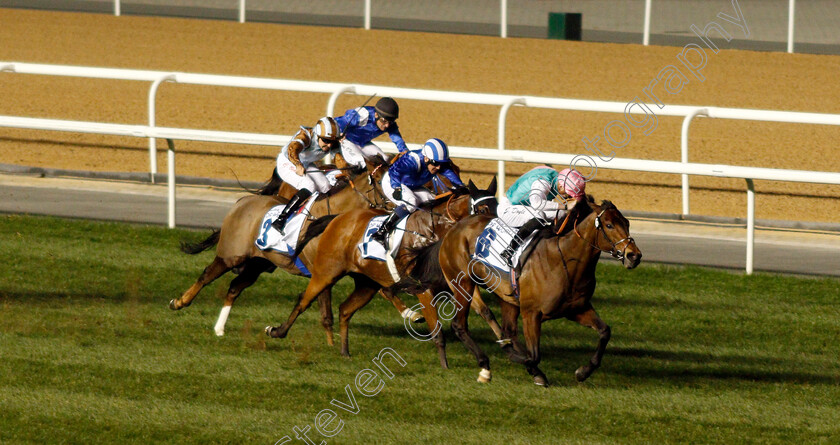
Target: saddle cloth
(373,249)
(270,238)
(495,237)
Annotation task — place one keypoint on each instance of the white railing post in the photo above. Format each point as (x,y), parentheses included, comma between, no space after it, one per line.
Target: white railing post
(117,7)
(684,153)
(504,18)
(646,31)
(502,121)
(331,109)
(241,11)
(367,14)
(750,224)
(170,182)
(152,141)
(791,11)
(334,98)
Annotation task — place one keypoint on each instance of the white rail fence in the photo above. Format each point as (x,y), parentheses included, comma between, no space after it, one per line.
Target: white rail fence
(503,22)
(500,154)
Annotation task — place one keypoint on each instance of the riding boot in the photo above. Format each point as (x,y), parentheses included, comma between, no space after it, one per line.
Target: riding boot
(519,238)
(300,197)
(386,227)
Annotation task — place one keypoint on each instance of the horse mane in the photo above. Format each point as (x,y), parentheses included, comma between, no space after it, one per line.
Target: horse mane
(314,230)
(459,191)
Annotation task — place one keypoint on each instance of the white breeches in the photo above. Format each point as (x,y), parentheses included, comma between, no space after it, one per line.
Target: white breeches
(355,154)
(313,179)
(412,198)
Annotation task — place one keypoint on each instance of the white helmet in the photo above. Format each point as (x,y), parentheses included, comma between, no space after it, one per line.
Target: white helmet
(436,150)
(327,129)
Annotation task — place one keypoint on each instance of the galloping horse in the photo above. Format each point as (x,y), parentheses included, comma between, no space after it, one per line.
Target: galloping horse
(240,228)
(378,200)
(558,280)
(339,241)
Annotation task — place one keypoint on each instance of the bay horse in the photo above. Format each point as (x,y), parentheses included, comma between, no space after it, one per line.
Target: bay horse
(557,280)
(235,248)
(377,168)
(344,232)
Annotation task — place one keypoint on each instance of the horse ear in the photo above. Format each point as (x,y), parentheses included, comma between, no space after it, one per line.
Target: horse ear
(492,189)
(472,187)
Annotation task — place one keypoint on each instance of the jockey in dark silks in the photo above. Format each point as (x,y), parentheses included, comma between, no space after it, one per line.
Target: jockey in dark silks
(404,181)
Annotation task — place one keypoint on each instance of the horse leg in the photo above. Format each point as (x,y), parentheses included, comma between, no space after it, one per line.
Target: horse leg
(325,303)
(531,327)
(435,328)
(461,328)
(515,350)
(251,270)
(362,294)
(313,289)
(404,310)
(591,319)
(487,315)
(216,269)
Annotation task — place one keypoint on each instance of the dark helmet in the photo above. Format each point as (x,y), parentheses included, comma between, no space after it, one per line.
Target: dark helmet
(388,108)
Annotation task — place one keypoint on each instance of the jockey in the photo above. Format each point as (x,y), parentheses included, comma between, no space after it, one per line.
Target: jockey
(364,124)
(295,163)
(403,183)
(529,202)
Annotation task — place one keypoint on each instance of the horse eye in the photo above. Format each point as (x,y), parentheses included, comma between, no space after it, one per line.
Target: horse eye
(609,226)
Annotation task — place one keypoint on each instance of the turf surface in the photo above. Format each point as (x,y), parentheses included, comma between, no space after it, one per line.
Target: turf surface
(90,353)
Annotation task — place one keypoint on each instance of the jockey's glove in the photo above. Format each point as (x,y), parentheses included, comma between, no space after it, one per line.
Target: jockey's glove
(397,194)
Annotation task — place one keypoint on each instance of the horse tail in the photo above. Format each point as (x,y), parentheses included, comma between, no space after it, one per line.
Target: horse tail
(194,248)
(425,266)
(271,186)
(315,229)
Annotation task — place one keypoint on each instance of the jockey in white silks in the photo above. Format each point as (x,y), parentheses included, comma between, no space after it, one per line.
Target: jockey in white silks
(296,163)
(529,202)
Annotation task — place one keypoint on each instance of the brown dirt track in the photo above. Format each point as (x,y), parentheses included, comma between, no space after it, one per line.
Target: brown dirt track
(742,79)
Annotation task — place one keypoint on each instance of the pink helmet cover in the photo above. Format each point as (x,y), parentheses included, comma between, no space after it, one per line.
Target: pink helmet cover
(572,182)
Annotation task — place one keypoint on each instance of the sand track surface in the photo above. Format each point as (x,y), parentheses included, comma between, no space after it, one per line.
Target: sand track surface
(742,79)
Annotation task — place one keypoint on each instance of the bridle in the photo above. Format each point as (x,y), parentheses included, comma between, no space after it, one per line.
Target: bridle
(615,251)
(474,204)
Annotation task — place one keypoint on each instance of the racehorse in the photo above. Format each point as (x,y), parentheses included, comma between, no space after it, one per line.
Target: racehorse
(285,191)
(557,280)
(241,226)
(339,242)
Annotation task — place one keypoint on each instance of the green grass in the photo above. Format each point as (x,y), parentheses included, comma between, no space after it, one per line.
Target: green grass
(90,353)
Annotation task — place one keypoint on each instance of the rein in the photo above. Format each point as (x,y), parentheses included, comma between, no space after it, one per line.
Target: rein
(615,252)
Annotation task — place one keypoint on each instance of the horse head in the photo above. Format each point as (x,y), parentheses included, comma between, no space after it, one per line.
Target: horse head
(367,182)
(609,230)
(614,231)
(468,200)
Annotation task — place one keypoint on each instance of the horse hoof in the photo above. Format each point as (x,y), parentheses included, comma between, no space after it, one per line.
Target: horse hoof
(540,380)
(581,374)
(484,376)
(220,332)
(268,330)
(172,305)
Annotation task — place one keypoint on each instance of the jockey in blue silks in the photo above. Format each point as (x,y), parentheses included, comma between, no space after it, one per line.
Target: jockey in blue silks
(403,183)
(362,125)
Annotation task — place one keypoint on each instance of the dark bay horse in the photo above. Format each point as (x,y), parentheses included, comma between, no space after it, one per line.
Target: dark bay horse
(557,281)
(341,257)
(235,248)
